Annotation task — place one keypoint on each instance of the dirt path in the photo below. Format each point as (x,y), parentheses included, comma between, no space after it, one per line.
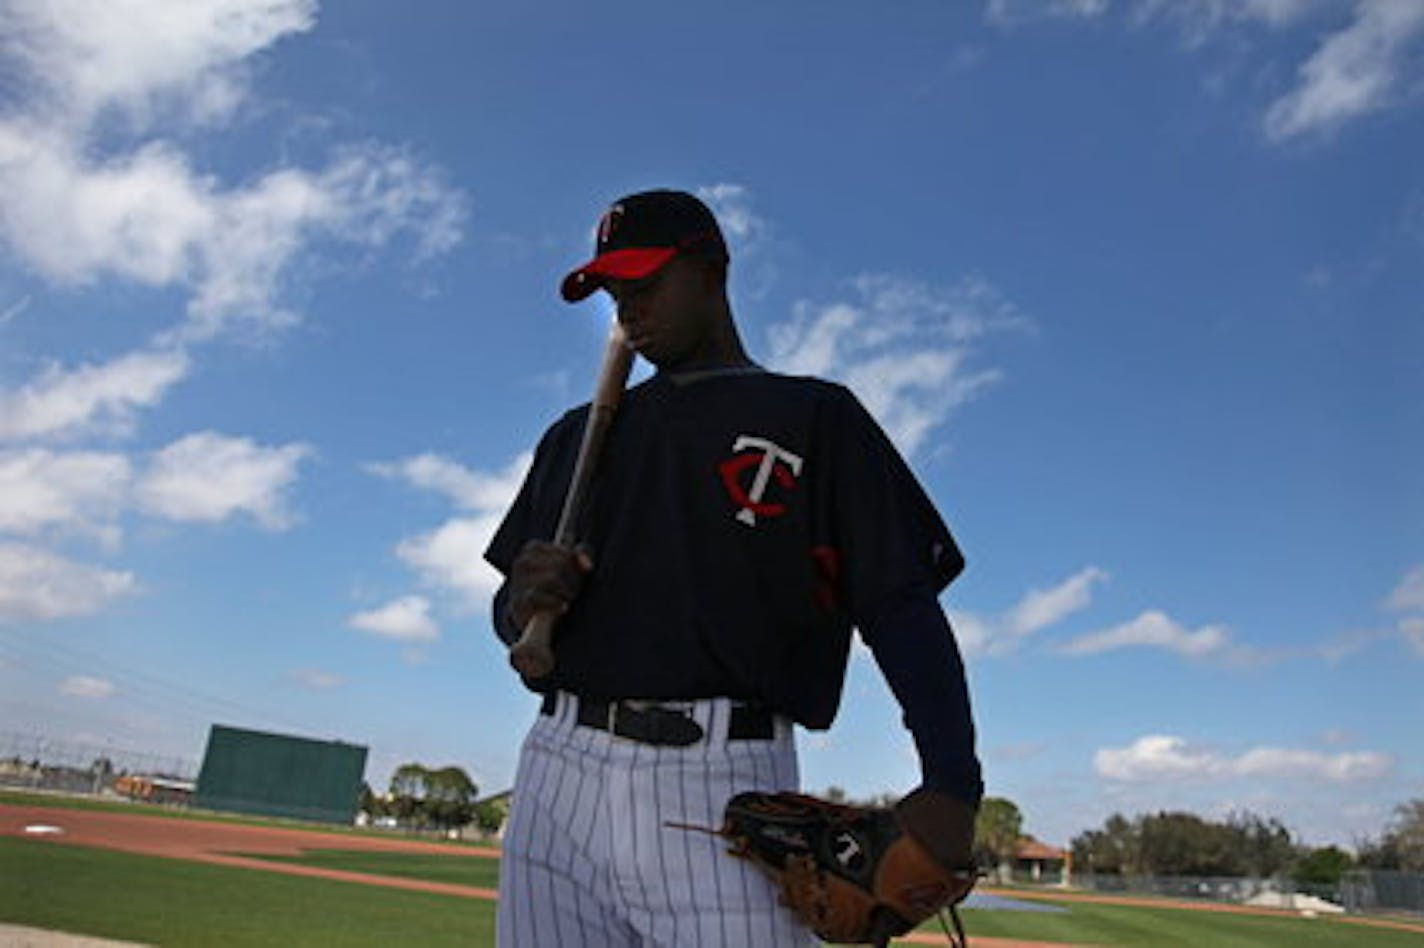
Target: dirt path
(218,843)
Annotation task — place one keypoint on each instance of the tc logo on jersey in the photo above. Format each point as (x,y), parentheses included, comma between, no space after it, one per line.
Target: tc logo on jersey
(766,459)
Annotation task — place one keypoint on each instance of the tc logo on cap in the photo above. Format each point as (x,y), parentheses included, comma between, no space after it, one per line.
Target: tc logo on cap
(609,223)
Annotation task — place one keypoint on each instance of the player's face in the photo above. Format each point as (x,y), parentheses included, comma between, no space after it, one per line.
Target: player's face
(671,317)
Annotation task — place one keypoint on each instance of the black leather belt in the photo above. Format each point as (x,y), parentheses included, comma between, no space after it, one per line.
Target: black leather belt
(664,726)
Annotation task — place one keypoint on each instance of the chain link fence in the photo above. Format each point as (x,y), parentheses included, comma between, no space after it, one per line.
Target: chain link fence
(1364,890)
(36,762)
(1383,890)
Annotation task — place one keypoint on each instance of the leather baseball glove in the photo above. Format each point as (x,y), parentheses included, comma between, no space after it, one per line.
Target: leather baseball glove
(854,874)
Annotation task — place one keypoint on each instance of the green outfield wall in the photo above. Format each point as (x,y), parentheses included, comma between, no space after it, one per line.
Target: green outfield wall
(280,775)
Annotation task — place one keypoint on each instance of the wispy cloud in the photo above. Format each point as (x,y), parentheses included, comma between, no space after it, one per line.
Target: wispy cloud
(1153,629)
(1363,65)
(1408,596)
(90,399)
(1356,70)
(1407,600)
(1037,610)
(13,310)
(1200,19)
(87,687)
(1166,758)
(904,347)
(733,206)
(314,679)
(1008,13)
(1412,629)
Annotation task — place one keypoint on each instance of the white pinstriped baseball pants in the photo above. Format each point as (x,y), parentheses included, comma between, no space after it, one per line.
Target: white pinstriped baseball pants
(589,863)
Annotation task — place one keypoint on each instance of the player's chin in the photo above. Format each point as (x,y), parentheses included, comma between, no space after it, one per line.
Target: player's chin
(647,347)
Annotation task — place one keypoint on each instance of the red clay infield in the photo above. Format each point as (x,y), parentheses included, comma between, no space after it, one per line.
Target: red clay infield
(215,842)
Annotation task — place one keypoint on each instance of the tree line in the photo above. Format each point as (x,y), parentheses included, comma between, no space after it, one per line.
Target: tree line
(1185,844)
(1244,844)
(443,798)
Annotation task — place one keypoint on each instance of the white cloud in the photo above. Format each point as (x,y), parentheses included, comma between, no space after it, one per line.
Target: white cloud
(36,585)
(1354,72)
(140,211)
(148,217)
(1286,762)
(1165,758)
(902,346)
(731,203)
(467,489)
(1152,629)
(92,398)
(84,686)
(1036,610)
(208,477)
(86,56)
(451,557)
(1408,596)
(1154,757)
(1041,608)
(43,489)
(974,635)
(406,619)
(1360,66)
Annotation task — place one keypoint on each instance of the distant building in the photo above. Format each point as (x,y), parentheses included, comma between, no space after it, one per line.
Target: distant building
(1039,862)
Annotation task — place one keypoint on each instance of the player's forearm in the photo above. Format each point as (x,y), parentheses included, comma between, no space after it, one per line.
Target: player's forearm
(916,650)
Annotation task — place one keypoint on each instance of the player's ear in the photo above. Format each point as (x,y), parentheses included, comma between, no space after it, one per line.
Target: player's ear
(712,273)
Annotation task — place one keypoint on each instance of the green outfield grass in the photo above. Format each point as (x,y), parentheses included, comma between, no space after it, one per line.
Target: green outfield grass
(1088,923)
(460,870)
(173,902)
(1082,923)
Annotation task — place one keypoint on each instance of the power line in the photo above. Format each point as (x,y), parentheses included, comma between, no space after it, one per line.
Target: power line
(142,685)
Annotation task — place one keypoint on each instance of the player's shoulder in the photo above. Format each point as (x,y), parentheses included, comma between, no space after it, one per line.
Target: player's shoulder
(823,395)
(804,387)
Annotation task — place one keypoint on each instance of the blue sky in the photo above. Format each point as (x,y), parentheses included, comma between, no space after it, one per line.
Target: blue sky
(1136,285)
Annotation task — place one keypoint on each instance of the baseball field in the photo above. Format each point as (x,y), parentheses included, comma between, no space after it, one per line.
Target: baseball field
(140,876)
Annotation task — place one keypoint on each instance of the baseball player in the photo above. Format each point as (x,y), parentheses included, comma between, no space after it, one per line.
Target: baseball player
(740,524)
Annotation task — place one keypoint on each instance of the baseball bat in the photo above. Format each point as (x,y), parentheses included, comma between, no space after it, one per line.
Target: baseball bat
(533,654)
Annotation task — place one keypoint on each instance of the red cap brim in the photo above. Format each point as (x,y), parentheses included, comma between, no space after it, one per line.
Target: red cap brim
(631,263)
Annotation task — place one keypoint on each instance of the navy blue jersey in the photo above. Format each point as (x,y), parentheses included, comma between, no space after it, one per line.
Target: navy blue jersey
(741,523)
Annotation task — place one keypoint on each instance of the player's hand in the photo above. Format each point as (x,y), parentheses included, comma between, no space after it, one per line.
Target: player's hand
(545,577)
(942,823)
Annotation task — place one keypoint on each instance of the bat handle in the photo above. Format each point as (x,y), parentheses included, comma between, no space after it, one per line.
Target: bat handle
(533,654)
